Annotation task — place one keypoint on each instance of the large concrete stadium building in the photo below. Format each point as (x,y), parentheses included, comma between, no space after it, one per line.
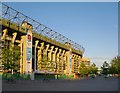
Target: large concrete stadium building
(37,42)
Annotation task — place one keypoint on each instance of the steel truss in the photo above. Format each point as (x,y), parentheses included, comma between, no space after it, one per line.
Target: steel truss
(17,17)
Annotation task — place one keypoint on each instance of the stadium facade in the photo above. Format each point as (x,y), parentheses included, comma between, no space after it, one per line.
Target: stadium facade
(42,49)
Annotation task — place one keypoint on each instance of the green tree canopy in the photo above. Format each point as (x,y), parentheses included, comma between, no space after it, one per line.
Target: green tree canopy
(115,65)
(105,68)
(93,69)
(83,69)
(11,57)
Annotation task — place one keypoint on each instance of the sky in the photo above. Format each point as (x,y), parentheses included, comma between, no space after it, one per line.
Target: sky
(94,25)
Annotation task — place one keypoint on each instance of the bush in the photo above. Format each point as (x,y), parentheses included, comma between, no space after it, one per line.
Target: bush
(5,76)
(66,76)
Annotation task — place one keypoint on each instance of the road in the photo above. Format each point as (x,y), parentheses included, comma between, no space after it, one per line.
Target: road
(97,84)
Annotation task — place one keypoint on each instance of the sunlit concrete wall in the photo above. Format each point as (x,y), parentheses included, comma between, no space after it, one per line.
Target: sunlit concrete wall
(59,60)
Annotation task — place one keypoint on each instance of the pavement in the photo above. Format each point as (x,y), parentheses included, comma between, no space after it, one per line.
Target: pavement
(89,84)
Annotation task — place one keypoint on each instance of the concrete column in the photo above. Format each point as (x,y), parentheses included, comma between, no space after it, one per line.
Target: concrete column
(73,61)
(45,57)
(58,59)
(62,61)
(21,56)
(65,63)
(36,43)
(24,53)
(39,55)
(27,67)
(54,54)
(4,34)
(28,47)
(14,37)
(50,59)
(55,58)
(79,61)
(68,62)
(45,50)
(29,52)
(47,47)
(50,53)
(75,64)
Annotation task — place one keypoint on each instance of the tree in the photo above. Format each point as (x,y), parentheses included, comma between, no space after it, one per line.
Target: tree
(93,69)
(11,57)
(112,70)
(86,70)
(105,68)
(115,65)
(83,70)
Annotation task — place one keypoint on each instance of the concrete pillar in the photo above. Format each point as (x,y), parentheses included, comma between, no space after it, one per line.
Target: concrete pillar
(51,66)
(14,37)
(29,51)
(45,58)
(73,61)
(55,59)
(23,46)
(50,53)
(27,47)
(4,34)
(62,61)
(65,63)
(39,55)
(58,59)
(21,56)
(47,47)
(75,64)
(69,61)
(54,54)
(45,50)
(79,61)
(27,66)
(36,44)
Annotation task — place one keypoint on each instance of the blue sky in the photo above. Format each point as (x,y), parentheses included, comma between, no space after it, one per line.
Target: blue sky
(92,25)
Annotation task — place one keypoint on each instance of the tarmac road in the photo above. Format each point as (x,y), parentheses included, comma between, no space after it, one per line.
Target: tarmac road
(97,84)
